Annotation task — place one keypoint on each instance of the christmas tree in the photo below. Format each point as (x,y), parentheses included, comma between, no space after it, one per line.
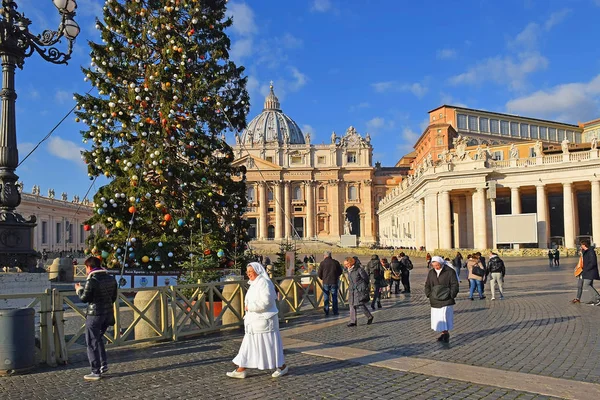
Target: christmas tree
(166,92)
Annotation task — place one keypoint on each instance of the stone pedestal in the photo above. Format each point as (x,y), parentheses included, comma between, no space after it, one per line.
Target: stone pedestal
(348,241)
(142,329)
(229,317)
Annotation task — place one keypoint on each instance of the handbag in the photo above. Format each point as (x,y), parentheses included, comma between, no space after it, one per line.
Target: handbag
(579,267)
(478,271)
(387,274)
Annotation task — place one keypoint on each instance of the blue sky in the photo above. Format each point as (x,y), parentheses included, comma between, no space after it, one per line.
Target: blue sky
(378,65)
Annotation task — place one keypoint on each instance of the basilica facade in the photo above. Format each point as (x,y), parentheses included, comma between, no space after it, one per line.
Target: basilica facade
(300,190)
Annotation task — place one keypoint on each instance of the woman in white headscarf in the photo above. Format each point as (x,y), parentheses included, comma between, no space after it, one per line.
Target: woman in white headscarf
(441,287)
(261,347)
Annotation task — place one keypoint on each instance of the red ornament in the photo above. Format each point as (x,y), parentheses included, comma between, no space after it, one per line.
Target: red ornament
(87,228)
(207,252)
(131,209)
(167,217)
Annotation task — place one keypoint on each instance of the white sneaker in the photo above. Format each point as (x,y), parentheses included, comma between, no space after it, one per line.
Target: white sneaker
(280,372)
(92,377)
(493,298)
(236,374)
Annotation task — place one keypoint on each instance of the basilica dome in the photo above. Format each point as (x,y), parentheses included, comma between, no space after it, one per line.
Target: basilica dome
(272,126)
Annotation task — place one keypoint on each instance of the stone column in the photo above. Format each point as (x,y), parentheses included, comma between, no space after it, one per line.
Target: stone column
(420,223)
(287,218)
(310,209)
(445,227)
(515,206)
(479,219)
(279,218)
(568,215)
(493,220)
(469,221)
(456,213)
(367,200)
(542,211)
(431,222)
(337,213)
(262,203)
(596,211)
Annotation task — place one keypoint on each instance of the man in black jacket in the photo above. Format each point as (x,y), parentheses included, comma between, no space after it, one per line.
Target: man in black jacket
(590,270)
(100,292)
(329,272)
(496,271)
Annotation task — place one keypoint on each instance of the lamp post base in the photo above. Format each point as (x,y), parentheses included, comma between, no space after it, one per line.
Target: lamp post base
(16,242)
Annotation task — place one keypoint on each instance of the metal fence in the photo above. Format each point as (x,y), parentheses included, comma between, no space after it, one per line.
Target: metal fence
(164,313)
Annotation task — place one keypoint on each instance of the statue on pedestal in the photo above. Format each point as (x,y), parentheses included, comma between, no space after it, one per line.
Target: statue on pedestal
(565,146)
(514,152)
(347,227)
(594,143)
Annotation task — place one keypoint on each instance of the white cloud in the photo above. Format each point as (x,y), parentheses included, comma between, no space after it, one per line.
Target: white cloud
(377,124)
(290,41)
(252,84)
(241,48)
(308,129)
(408,138)
(65,149)
(62,96)
(24,149)
(556,18)
(528,37)
(446,54)
(502,70)
(299,78)
(424,124)
(418,89)
(566,102)
(243,19)
(283,86)
(321,5)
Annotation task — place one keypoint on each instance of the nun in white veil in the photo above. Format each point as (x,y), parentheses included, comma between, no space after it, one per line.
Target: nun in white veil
(261,347)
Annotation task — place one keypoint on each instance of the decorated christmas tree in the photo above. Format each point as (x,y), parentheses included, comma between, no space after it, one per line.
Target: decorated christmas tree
(166,93)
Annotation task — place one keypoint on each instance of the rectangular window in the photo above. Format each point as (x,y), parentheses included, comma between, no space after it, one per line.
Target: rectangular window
(269,159)
(58,232)
(532,152)
(440,141)
(270,194)
(571,136)
(561,135)
(524,131)
(533,131)
(352,193)
(504,128)
(483,125)
(69,232)
(81,234)
(543,132)
(351,157)
(270,209)
(498,155)
(473,123)
(461,121)
(514,129)
(44,232)
(321,160)
(494,126)
(296,159)
(577,137)
(552,134)
(299,209)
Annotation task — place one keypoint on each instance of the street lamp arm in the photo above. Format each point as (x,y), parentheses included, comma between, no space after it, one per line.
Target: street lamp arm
(40,43)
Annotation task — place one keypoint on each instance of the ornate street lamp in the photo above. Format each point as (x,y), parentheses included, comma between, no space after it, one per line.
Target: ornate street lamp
(16,44)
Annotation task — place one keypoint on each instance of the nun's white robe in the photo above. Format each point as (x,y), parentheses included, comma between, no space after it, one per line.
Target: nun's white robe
(261,347)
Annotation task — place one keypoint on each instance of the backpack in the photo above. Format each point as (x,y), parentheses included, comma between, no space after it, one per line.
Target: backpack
(408,264)
(377,270)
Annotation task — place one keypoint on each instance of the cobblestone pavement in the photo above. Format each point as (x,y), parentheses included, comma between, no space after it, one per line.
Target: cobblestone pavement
(535,331)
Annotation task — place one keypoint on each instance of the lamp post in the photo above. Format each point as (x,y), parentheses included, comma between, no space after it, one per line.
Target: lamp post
(16,44)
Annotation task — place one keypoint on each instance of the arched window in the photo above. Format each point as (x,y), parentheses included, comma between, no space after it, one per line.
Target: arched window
(321,193)
(352,193)
(250,194)
(297,193)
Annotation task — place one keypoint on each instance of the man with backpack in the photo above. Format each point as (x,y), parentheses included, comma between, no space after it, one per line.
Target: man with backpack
(405,267)
(496,270)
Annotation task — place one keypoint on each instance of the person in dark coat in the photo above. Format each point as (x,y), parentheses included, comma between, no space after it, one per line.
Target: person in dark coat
(441,287)
(100,292)
(590,270)
(396,274)
(556,258)
(329,272)
(375,272)
(358,291)
(406,266)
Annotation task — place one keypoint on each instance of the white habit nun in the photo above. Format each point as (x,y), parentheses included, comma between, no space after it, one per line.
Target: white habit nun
(261,347)
(441,287)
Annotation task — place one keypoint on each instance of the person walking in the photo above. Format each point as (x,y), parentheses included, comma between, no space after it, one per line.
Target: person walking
(557,258)
(476,275)
(406,266)
(590,271)
(550,258)
(100,292)
(375,269)
(262,347)
(387,277)
(578,272)
(457,262)
(358,292)
(428,260)
(396,275)
(496,270)
(329,272)
(441,288)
